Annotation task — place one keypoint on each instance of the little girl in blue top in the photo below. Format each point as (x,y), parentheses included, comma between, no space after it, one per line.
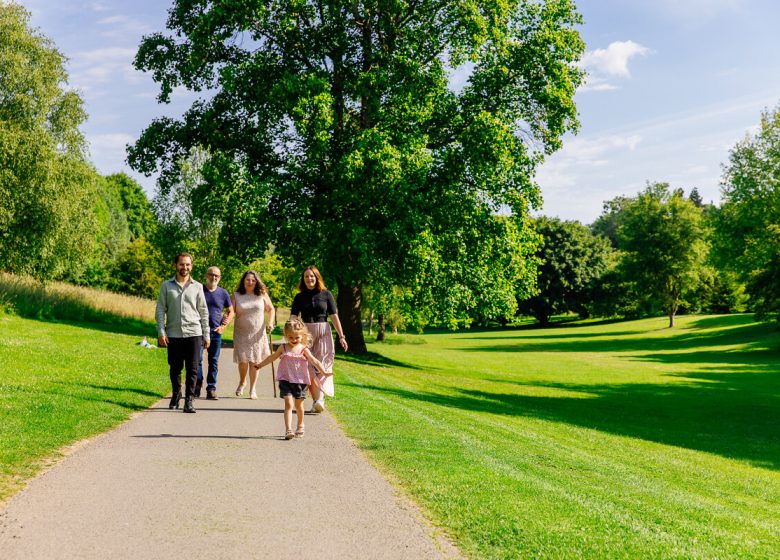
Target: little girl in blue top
(293,373)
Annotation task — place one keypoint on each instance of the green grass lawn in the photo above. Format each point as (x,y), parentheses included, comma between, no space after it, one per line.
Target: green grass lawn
(61,383)
(621,440)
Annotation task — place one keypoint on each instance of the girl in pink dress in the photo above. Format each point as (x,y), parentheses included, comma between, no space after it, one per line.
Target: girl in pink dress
(293,372)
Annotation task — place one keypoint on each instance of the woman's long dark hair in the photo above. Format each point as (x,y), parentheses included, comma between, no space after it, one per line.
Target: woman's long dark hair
(320,282)
(259,286)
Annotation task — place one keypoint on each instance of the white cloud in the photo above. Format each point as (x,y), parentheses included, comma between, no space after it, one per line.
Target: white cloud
(108,151)
(565,169)
(98,7)
(95,72)
(591,151)
(613,61)
(126,27)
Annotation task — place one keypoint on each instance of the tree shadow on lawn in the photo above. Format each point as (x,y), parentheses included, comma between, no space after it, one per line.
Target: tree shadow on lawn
(734,413)
(125,389)
(373,359)
(754,335)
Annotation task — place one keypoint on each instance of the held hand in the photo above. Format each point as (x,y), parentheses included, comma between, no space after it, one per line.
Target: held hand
(162,341)
(269,328)
(220,329)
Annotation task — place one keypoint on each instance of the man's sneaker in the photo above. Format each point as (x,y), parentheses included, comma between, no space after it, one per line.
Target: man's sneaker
(188,406)
(211,395)
(318,406)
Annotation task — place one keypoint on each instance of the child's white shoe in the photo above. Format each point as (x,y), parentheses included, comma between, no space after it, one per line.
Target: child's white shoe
(318,406)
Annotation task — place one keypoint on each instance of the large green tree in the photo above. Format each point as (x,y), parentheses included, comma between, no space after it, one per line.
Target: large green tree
(573,259)
(664,243)
(46,187)
(333,131)
(747,237)
(136,206)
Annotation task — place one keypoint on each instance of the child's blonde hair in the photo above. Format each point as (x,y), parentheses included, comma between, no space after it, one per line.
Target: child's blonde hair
(296,327)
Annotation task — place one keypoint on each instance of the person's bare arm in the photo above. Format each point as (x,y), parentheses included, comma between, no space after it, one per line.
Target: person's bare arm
(336,323)
(269,359)
(225,320)
(269,306)
(315,362)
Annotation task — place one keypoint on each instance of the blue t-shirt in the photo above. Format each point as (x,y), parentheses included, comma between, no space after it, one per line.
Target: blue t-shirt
(216,301)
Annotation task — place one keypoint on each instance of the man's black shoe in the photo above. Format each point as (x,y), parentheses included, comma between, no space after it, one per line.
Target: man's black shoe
(198,389)
(188,405)
(211,395)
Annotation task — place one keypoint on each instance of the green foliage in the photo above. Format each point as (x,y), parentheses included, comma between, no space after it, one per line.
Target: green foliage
(663,237)
(748,225)
(137,208)
(140,270)
(332,133)
(612,218)
(573,261)
(280,279)
(46,188)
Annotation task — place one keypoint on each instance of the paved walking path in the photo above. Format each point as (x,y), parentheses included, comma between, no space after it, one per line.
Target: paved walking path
(220,483)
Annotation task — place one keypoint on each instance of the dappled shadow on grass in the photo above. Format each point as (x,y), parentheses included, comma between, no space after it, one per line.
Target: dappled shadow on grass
(738,331)
(734,412)
(372,359)
(117,325)
(135,390)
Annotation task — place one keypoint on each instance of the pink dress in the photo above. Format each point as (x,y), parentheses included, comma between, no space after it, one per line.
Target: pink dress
(293,367)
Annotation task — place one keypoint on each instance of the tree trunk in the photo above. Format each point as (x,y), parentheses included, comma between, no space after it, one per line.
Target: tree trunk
(370,322)
(380,331)
(671,319)
(348,302)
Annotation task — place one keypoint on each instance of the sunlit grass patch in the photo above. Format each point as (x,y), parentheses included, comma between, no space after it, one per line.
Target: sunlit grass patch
(61,383)
(612,440)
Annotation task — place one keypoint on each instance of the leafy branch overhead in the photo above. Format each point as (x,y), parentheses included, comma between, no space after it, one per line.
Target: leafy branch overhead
(334,130)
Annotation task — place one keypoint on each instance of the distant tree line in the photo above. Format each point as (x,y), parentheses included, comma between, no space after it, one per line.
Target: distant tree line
(60,219)
(422,207)
(661,252)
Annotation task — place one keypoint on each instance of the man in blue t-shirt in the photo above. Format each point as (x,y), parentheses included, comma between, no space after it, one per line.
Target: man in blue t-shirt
(218,301)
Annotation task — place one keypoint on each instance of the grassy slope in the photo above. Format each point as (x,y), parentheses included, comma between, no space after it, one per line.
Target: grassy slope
(623,440)
(61,383)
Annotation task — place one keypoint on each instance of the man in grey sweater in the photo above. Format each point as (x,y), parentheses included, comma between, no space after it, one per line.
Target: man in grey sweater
(182,327)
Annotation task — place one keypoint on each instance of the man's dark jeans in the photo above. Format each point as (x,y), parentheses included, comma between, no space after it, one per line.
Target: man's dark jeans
(213,354)
(184,352)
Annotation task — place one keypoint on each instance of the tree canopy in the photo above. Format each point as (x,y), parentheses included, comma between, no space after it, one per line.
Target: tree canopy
(47,190)
(332,131)
(664,240)
(748,224)
(572,260)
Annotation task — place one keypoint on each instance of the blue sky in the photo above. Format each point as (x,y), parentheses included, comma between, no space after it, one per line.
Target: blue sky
(673,85)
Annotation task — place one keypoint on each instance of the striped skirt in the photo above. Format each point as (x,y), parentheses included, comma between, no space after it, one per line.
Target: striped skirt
(322,345)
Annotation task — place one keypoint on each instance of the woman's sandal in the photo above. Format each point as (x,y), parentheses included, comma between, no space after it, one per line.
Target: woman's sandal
(288,434)
(299,432)
(240,390)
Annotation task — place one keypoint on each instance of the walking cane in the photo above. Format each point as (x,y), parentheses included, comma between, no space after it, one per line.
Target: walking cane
(273,370)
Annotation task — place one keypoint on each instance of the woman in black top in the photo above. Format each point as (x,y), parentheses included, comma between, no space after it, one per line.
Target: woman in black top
(314,304)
